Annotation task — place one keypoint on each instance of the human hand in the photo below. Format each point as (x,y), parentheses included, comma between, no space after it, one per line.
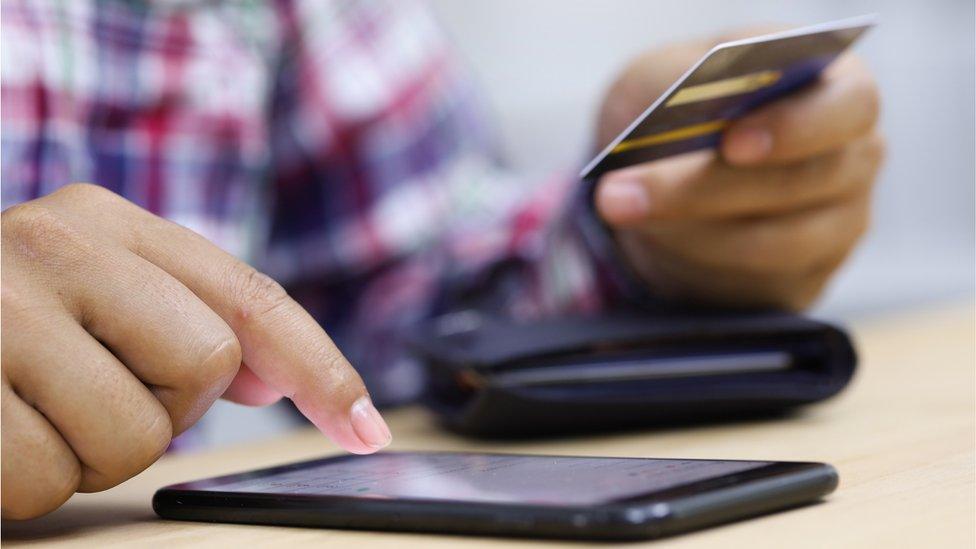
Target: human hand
(766,219)
(120,329)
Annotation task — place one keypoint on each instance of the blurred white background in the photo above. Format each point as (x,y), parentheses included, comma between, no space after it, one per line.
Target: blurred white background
(544,65)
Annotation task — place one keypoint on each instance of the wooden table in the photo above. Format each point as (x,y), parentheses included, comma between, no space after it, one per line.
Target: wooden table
(902,438)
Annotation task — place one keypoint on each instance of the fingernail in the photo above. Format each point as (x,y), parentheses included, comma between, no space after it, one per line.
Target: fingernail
(622,200)
(748,145)
(368,424)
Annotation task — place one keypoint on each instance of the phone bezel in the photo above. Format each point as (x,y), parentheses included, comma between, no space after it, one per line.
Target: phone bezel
(662,512)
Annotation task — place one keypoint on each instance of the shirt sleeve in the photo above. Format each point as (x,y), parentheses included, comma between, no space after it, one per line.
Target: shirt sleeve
(390,204)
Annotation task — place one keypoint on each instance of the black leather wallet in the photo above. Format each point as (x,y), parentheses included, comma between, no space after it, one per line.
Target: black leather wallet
(498,379)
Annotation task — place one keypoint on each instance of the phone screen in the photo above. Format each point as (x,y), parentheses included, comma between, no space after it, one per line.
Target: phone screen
(496,478)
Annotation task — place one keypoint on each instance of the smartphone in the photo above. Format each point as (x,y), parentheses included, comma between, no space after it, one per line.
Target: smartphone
(502,494)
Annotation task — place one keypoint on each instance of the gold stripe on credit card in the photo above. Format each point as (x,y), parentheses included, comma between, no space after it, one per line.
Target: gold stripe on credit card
(724,88)
(679,134)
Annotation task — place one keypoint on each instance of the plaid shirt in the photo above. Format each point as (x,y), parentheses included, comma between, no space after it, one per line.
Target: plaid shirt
(337,145)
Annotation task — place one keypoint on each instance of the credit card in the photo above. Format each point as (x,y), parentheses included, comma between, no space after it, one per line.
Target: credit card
(730,80)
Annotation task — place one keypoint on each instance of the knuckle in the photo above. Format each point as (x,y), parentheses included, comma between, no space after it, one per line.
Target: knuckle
(222,363)
(838,174)
(47,498)
(38,232)
(857,165)
(344,383)
(89,201)
(76,193)
(39,504)
(159,434)
(810,244)
(257,294)
(154,439)
(41,498)
(64,485)
(341,373)
(146,438)
(32,223)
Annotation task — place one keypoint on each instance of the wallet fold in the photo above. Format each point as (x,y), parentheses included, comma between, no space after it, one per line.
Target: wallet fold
(494,378)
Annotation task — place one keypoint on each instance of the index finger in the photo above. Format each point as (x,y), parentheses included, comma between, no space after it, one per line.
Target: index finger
(281,343)
(840,107)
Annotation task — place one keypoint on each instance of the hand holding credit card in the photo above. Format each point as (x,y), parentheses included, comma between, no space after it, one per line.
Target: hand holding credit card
(730,80)
(765,220)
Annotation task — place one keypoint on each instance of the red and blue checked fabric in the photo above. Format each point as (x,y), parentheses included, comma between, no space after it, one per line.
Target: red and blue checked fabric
(337,145)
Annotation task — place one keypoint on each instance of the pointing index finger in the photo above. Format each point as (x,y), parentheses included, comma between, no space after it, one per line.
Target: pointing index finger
(287,349)
(280,342)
